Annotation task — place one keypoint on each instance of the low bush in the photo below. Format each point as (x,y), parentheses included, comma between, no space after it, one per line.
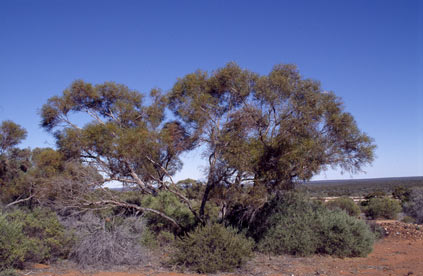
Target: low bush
(408,219)
(46,238)
(13,248)
(9,272)
(384,207)
(378,231)
(343,236)
(401,193)
(212,248)
(375,194)
(291,235)
(414,207)
(103,243)
(293,224)
(154,240)
(346,204)
(169,204)
(35,236)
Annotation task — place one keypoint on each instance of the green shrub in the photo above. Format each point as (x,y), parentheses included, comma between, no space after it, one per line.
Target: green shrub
(9,272)
(378,231)
(212,248)
(382,208)
(149,239)
(408,219)
(290,204)
(154,240)
(375,194)
(414,207)
(346,204)
(291,235)
(165,238)
(13,248)
(169,204)
(343,236)
(402,193)
(45,238)
(293,224)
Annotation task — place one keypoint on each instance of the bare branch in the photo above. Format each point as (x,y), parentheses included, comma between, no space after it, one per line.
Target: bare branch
(136,207)
(19,201)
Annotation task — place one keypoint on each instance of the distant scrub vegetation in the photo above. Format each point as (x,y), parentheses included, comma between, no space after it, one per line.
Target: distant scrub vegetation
(362,187)
(383,207)
(346,204)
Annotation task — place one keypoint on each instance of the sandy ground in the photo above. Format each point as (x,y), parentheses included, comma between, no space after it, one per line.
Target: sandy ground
(400,253)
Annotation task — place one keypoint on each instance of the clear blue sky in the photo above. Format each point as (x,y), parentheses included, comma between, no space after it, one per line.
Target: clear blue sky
(370,53)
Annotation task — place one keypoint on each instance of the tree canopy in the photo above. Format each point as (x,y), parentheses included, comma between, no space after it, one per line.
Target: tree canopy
(262,134)
(126,141)
(267,132)
(11,134)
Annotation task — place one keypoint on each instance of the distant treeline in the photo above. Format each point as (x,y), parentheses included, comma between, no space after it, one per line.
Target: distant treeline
(360,187)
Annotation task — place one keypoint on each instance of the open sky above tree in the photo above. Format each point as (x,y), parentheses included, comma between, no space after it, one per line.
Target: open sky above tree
(367,53)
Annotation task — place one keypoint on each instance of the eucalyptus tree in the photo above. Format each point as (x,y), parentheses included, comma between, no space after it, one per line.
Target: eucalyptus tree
(205,104)
(11,134)
(266,133)
(26,175)
(261,134)
(14,162)
(126,141)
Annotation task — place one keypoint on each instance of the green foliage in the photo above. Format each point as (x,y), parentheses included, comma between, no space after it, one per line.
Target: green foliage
(126,140)
(154,240)
(383,207)
(344,236)
(193,189)
(9,272)
(149,239)
(287,204)
(14,163)
(414,207)
(212,248)
(170,205)
(14,178)
(45,238)
(408,219)
(375,194)
(402,193)
(361,187)
(295,225)
(276,129)
(13,245)
(165,238)
(291,235)
(378,231)
(346,204)
(31,177)
(11,134)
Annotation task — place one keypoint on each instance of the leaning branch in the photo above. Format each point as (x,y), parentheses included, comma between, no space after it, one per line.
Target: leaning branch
(177,193)
(19,201)
(136,207)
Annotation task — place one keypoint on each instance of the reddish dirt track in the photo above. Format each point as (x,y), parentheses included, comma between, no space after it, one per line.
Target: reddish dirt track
(401,253)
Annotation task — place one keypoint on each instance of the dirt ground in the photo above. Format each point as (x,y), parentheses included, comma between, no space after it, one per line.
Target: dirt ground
(400,253)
